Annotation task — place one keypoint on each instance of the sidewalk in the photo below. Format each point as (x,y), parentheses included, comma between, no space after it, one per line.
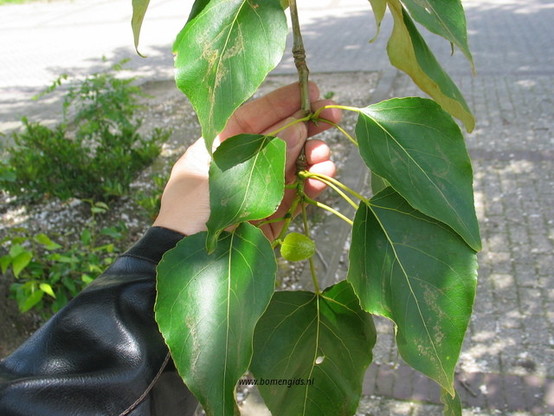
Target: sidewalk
(507,363)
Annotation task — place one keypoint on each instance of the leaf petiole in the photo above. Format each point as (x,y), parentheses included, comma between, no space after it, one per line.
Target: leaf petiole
(271,221)
(339,128)
(310,260)
(328,208)
(286,126)
(338,186)
(340,107)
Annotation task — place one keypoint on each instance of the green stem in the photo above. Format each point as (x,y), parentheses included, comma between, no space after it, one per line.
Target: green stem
(311,259)
(299,54)
(309,175)
(289,217)
(339,128)
(328,208)
(273,220)
(332,181)
(340,107)
(286,126)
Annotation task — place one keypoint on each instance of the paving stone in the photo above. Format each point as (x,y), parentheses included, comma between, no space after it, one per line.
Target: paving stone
(530,300)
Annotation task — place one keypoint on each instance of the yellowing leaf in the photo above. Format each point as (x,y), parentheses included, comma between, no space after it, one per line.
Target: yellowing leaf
(408,52)
(139,10)
(379,8)
(444,18)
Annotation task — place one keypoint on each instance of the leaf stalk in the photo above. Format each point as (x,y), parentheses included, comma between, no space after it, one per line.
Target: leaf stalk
(328,208)
(339,128)
(311,259)
(338,186)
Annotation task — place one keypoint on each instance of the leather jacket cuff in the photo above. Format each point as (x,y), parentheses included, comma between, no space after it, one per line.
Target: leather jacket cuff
(102,354)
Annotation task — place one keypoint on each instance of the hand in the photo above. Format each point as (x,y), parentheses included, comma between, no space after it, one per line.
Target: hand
(185,205)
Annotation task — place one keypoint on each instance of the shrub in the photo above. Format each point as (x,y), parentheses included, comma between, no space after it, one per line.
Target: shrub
(48,273)
(95,156)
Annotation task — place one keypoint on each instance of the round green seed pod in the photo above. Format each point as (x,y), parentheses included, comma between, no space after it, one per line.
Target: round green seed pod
(296,247)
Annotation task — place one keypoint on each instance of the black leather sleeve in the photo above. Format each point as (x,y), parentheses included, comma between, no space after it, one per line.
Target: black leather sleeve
(102,354)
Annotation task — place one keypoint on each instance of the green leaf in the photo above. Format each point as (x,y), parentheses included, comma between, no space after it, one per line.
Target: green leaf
(46,242)
(452,404)
(207,307)
(416,147)
(86,279)
(5,262)
(86,236)
(379,8)
(46,288)
(322,342)
(377,183)
(197,8)
(247,181)
(297,247)
(30,301)
(17,249)
(21,261)
(417,272)
(224,54)
(408,52)
(139,10)
(446,19)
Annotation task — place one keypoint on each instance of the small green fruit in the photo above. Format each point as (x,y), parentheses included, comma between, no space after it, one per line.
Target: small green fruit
(296,247)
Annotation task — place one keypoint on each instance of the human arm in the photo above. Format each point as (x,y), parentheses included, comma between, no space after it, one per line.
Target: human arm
(102,354)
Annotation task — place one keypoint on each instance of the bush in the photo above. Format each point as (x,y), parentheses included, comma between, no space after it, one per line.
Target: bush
(96,156)
(48,273)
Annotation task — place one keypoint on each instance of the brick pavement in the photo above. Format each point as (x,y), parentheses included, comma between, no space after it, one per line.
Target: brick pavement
(507,363)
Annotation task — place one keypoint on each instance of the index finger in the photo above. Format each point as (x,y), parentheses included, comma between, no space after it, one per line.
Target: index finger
(258,115)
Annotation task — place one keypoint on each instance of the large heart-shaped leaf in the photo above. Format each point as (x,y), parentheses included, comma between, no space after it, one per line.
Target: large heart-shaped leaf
(408,52)
(247,181)
(223,55)
(207,307)
(321,343)
(444,18)
(414,270)
(417,148)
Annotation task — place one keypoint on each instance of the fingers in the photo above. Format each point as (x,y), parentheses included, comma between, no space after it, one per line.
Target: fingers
(318,157)
(317,152)
(313,187)
(259,115)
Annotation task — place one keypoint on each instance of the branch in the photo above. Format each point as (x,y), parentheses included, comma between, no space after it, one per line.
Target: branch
(299,55)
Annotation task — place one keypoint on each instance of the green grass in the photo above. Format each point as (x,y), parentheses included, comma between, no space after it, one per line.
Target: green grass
(2,2)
